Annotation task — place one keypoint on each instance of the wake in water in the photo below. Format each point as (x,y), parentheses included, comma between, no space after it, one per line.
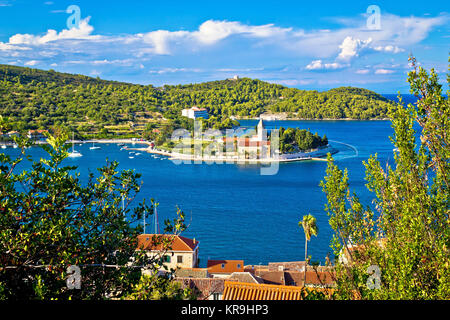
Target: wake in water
(343,154)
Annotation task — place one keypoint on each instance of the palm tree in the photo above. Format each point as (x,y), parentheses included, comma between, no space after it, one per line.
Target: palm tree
(310,228)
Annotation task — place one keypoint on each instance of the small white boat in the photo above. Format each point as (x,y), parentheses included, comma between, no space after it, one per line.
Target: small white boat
(131,152)
(15,146)
(74,153)
(131,157)
(138,154)
(3,147)
(94,147)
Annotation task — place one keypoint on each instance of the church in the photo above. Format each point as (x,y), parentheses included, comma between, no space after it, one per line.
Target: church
(256,146)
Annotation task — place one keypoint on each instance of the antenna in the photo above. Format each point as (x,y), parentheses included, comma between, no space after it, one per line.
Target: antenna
(144,219)
(156,221)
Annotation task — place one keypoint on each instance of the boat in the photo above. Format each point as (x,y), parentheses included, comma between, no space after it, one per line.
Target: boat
(74,153)
(138,154)
(15,146)
(94,147)
(4,147)
(131,157)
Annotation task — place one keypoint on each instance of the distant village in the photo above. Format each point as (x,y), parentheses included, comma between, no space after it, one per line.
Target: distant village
(225,279)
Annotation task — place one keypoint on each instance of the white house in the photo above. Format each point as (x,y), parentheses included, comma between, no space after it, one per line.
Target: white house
(195,112)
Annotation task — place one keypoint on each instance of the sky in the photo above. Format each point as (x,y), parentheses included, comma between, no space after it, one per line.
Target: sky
(311,45)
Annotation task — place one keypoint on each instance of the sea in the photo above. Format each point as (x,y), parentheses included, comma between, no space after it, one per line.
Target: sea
(233,210)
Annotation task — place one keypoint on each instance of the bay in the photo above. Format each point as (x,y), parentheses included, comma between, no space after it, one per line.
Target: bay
(233,210)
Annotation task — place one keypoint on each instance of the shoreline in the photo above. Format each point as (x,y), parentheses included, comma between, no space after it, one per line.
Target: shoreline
(281,118)
(233,160)
(185,157)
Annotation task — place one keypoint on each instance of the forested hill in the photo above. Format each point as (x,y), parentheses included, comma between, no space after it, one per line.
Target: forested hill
(32,99)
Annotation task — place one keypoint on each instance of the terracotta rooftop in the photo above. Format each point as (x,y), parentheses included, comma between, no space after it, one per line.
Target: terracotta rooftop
(198,109)
(251,291)
(178,243)
(192,273)
(248,143)
(225,266)
(245,277)
(204,287)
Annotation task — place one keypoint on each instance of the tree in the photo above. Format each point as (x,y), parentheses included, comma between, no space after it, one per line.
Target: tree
(398,249)
(50,221)
(310,229)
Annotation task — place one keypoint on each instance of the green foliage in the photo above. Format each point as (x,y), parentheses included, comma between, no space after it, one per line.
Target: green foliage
(50,221)
(406,234)
(153,287)
(37,99)
(295,140)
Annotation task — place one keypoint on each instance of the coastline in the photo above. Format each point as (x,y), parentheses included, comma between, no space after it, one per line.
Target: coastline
(317,155)
(281,117)
(313,156)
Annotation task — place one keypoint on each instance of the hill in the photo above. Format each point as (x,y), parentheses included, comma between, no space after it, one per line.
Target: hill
(32,99)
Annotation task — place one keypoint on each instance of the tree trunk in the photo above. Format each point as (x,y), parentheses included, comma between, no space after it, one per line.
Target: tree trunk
(306,262)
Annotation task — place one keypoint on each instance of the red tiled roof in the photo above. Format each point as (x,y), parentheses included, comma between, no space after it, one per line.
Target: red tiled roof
(225,266)
(251,291)
(248,143)
(178,243)
(205,287)
(198,109)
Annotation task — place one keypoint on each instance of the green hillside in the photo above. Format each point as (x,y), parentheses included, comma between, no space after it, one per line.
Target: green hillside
(38,99)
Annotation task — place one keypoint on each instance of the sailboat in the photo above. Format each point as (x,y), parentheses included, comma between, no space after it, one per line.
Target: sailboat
(94,147)
(74,153)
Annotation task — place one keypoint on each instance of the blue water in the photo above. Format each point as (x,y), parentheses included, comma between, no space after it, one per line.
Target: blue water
(235,212)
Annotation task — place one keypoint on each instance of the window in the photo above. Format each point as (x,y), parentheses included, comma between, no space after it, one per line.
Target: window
(223,265)
(239,266)
(166,259)
(179,259)
(216,296)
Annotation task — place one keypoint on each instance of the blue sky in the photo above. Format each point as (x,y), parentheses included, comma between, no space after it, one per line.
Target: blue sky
(303,44)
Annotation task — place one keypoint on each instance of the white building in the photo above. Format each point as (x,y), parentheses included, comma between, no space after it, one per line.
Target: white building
(181,252)
(195,112)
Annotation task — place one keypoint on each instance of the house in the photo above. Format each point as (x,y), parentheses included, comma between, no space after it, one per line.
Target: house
(192,273)
(293,274)
(255,147)
(37,134)
(224,268)
(176,251)
(195,112)
(245,277)
(348,253)
(13,134)
(205,288)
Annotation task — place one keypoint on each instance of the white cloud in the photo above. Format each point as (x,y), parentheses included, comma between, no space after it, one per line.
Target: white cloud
(212,31)
(319,65)
(384,71)
(389,48)
(350,48)
(31,63)
(362,71)
(174,70)
(82,32)
(216,42)
(10,47)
